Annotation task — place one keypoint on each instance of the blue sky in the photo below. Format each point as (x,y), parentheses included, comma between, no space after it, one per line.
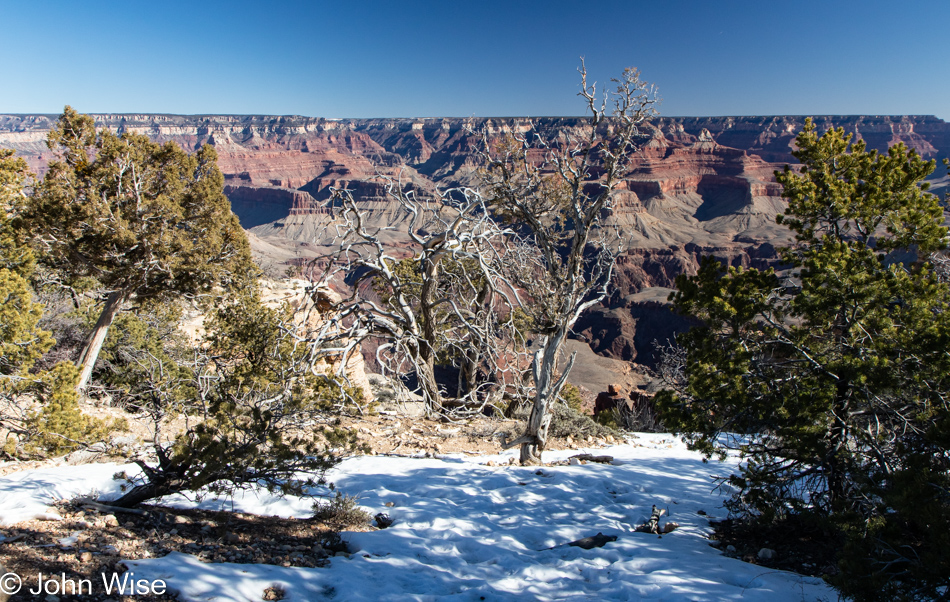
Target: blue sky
(488,58)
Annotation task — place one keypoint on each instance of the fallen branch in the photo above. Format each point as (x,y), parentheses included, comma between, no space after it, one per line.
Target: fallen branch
(106,508)
(653,525)
(590,458)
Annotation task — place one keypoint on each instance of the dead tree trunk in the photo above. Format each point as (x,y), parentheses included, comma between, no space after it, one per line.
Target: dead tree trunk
(427,317)
(87,360)
(547,389)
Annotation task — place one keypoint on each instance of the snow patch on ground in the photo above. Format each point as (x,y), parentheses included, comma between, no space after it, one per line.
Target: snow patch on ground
(464,530)
(27,495)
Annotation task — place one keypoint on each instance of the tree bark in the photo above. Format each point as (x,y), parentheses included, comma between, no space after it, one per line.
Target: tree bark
(468,373)
(143,493)
(546,391)
(97,337)
(426,371)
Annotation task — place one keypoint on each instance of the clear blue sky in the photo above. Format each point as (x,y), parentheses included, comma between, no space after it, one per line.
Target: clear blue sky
(429,58)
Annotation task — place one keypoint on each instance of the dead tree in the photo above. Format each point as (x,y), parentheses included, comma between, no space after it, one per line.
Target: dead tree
(441,300)
(556,191)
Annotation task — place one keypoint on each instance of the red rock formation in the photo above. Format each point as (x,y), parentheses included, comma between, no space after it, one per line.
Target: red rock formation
(699,186)
(608,400)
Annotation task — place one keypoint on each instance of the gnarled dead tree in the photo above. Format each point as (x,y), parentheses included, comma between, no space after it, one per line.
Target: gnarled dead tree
(439,304)
(556,192)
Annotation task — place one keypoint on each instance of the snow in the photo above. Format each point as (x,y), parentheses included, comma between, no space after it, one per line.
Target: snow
(464,530)
(26,495)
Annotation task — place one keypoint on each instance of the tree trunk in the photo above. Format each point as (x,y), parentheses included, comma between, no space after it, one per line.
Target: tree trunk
(838,442)
(426,371)
(468,373)
(546,391)
(142,493)
(97,337)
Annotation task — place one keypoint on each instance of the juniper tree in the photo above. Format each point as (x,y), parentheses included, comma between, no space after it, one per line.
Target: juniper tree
(256,411)
(556,192)
(836,373)
(21,341)
(143,220)
(57,425)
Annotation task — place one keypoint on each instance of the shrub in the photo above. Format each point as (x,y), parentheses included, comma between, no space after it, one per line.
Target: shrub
(59,426)
(340,511)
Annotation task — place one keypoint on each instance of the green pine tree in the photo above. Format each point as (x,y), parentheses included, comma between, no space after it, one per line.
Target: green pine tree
(57,425)
(836,375)
(145,221)
(259,409)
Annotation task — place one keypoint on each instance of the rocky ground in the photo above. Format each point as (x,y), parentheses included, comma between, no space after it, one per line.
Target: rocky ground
(89,543)
(789,546)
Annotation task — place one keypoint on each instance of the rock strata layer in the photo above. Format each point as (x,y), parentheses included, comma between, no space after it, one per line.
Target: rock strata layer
(699,186)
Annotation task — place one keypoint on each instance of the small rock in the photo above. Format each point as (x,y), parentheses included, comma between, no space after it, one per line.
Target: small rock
(85,557)
(390,504)
(110,520)
(569,440)
(731,549)
(590,438)
(173,532)
(594,541)
(670,527)
(610,438)
(70,541)
(51,598)
(182,520)
(383,520)
(110,550)
(232,537)
(766,554)
(701,512)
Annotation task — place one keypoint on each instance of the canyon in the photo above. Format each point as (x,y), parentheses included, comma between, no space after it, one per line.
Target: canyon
(697,186)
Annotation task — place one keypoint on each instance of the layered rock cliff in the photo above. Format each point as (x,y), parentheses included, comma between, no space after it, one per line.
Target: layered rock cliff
(698,186)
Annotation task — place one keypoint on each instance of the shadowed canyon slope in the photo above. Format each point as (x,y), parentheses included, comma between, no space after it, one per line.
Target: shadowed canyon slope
(699,186)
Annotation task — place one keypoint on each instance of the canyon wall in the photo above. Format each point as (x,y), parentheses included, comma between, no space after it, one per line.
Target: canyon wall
(698,186)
